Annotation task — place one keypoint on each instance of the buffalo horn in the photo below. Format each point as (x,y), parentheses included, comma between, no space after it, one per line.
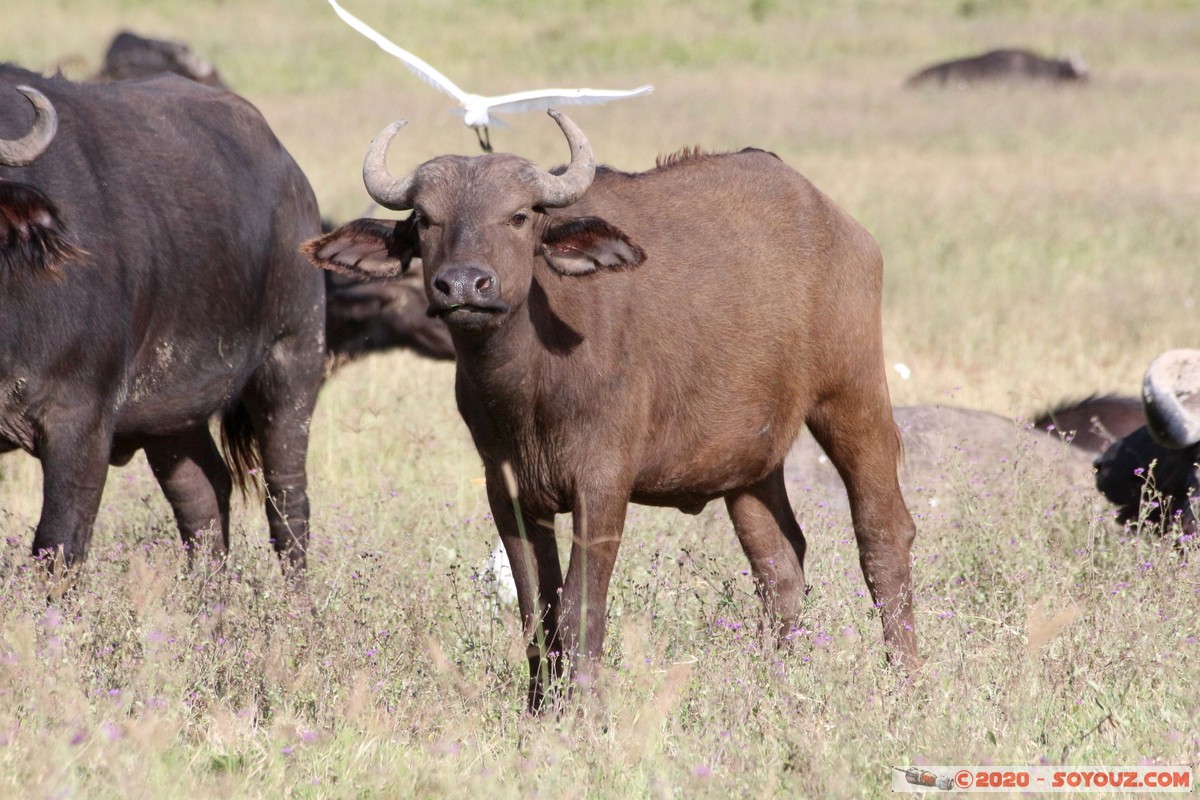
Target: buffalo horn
(19,152)
(1171,396)
(383,188)
(556,191)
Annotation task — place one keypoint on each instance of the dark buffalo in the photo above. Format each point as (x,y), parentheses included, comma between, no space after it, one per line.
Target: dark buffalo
(133,57)
(370,316)
(362,316)
(618,343)
(961,456)
(149,279)
(1001,65)
(374,315)
(1151,475)
(1149,483)
(1094,422)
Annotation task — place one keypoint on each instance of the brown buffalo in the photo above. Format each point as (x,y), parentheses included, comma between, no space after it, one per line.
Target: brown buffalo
(617,342)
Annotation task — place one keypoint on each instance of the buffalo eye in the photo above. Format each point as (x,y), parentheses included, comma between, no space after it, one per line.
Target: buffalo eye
(423,221)
(519,219)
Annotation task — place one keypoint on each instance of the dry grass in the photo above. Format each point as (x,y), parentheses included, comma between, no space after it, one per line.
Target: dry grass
(1040,244)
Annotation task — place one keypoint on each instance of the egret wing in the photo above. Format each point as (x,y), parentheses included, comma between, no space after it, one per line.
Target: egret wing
(417,65)
(548,98)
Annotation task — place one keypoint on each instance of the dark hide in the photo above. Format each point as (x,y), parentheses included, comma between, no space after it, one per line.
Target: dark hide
(362,316)
(1149,483)
(670,359)
(1094,422)
(150,279)
(1000,65)
(376,314)
(133,57)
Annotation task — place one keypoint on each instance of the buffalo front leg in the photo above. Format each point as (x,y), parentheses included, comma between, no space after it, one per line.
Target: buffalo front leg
(74,454)
(528,539)
(196,482)
(284,443)
(598,520)
(858,433)
(773,542)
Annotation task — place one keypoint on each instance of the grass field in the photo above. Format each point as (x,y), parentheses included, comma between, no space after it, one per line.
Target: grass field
(1040,244)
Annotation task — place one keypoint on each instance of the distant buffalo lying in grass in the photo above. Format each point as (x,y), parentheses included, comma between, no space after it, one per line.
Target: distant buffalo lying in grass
(955,457)
(1001,65)
(1158,462)
(1148,471)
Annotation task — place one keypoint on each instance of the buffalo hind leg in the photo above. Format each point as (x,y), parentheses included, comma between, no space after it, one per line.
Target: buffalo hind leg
(279,400)
(858,433)
(196,482)
(533,558)
(772,540)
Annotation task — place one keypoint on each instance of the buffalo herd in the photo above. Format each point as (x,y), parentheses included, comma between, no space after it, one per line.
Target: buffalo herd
(611,346)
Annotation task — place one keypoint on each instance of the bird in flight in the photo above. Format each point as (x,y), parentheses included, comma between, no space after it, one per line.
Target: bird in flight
(476,108)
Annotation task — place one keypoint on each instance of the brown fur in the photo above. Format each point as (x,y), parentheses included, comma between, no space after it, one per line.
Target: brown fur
(676,381)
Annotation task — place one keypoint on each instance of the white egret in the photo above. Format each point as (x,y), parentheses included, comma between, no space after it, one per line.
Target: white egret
(498,577)
(477,109)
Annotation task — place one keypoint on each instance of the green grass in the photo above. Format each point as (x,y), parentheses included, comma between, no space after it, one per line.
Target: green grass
(1040,244)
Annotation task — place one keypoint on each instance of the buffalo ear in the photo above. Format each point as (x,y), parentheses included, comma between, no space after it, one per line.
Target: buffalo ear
(365,248)
(33,239)
(587,244)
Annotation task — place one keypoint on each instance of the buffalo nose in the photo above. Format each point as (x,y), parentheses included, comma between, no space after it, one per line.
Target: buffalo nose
(467,285)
